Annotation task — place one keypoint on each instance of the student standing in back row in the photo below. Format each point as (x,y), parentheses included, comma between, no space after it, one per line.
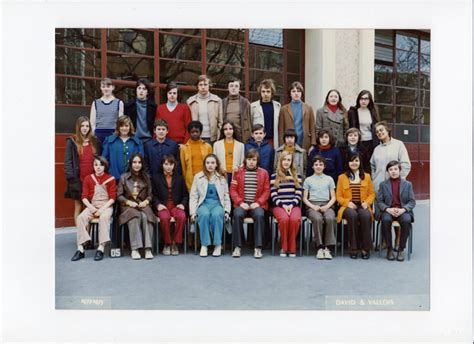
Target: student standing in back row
(105,111)
(266,111)
(177,115)
(333,116)
(299,116)
(207,109)
(141,110)
(237,111)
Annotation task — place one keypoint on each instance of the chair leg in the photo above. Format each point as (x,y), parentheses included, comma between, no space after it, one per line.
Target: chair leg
(185,242)
(273,238)
(306,232)
(342,239)
(410,242)
(335,234)
(379,238)
(301,238)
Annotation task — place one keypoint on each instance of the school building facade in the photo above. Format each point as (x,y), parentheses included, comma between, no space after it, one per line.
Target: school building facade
(393,64)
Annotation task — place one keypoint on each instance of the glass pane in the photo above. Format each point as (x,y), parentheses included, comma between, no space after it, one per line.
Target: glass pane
(130,68)
(406,133)
(425,47)
(130,41)
(185,31)
(294,39)
(425,99)
(257,76)
(293,62)
(407,61)
(407,79)
(385,112)
(406,115)
(384,37)
(84,38)
(76,91)
(267,59)
(224,53)
(237,35)
(77,62)
(405,96)
(425,117)
(220,76)
(383,94)
(125,93)
(179,47)
(181,72)
(425,134)
(425,63)
(383,74)
(269,37)
(425,81)
(66,116)
(384,54)
(407,42)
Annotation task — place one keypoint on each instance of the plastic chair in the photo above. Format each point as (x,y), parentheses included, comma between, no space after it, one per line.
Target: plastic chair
(275,233)
(155,239)
(185,231)
(395,224)
(94,230)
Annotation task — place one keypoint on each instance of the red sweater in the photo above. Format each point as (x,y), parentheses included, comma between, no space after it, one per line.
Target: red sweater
(89,185)
(237,191)
(177,120)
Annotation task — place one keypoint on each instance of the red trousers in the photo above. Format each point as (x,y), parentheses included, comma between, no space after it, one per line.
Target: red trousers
(289,226)
(165,225)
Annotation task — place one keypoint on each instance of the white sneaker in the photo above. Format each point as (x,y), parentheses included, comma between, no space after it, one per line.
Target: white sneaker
(292,255)
(203,252)
(148,254)
(327,254)
(217,251)
(236,253)
(166,250)
(320,254)
(282,253)
(174,250)
(258,253)
(136,255)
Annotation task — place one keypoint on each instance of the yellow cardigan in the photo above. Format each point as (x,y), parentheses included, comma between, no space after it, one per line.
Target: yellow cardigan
(344,193)
(186,163)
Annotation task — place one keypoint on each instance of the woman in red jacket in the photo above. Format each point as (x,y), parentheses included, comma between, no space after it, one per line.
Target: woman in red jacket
(249,191)
(175,114)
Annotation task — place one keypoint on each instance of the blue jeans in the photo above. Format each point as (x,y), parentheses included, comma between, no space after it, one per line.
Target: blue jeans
(210,220)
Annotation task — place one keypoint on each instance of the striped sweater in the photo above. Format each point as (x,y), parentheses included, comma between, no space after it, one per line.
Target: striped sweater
(286,193)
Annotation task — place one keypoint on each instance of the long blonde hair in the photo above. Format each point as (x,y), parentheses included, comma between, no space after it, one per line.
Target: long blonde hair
(280,172)
(79,139)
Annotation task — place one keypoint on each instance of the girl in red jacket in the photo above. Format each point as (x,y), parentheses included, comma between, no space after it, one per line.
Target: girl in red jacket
(249,191)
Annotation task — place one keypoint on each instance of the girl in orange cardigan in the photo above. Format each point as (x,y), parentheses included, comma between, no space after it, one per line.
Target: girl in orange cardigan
(355,195)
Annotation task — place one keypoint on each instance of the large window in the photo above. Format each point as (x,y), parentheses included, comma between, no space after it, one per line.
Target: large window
(402,82)
(84,56)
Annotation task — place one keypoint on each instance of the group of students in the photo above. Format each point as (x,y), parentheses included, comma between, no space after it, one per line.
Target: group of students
(176,159)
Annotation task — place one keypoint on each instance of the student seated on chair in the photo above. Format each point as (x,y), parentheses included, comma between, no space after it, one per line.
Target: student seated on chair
(134,195)
(319,196)
(170,198)
(249,191)
(99,192)
(396,200)
(193,152)
(286,192)
(355,195)
(209,201)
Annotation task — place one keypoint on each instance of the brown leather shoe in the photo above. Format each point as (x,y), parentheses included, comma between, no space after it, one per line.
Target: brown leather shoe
(400,256)
(390,255)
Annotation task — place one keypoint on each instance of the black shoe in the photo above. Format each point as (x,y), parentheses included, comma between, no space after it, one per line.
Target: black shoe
(365,255)
(353,255)
(78,255)
(99,255)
